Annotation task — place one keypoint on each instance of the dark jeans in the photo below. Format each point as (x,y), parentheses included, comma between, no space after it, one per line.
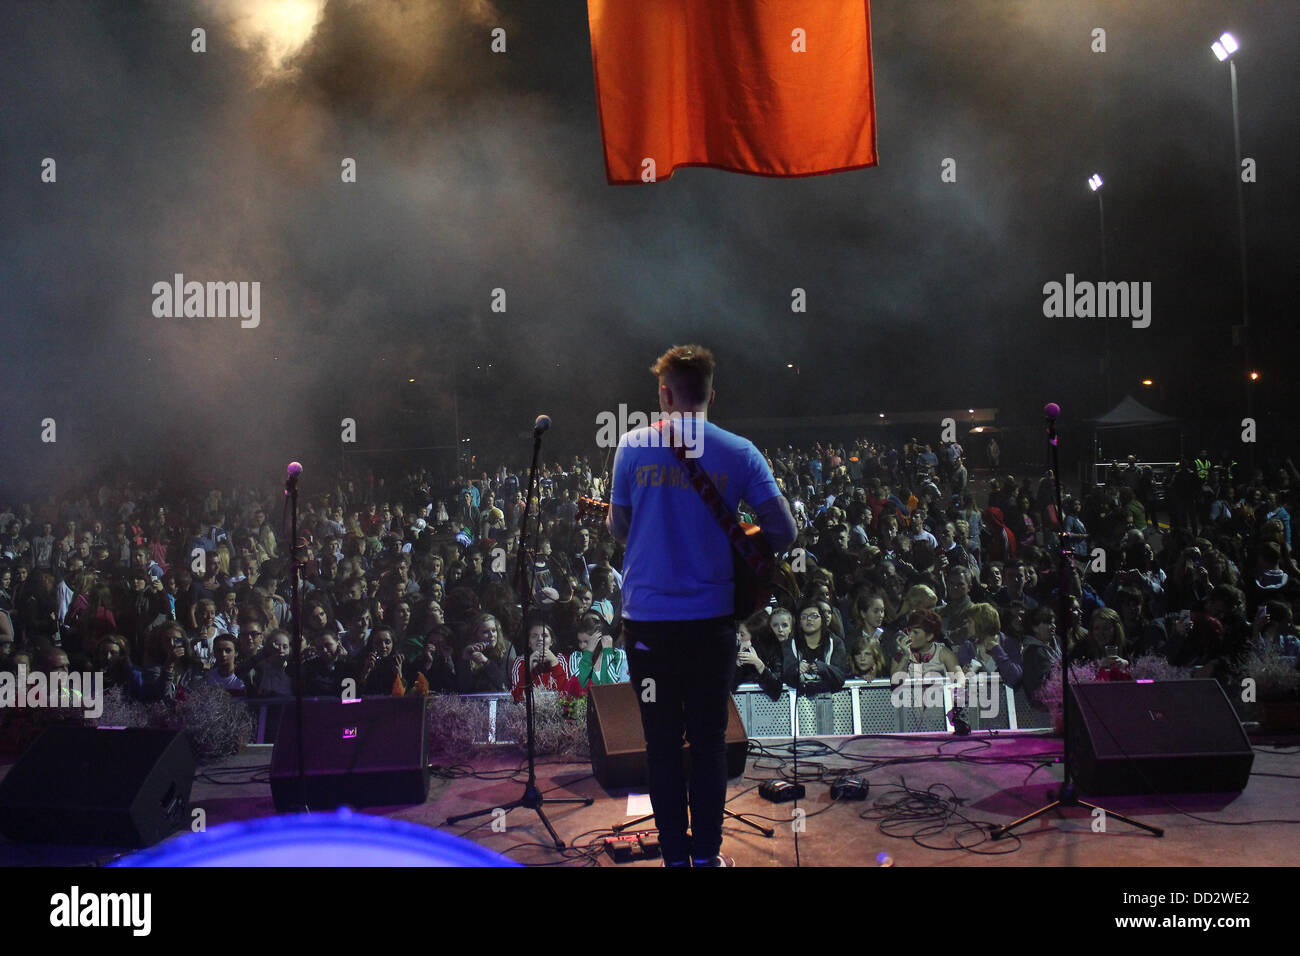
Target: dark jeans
(691,665)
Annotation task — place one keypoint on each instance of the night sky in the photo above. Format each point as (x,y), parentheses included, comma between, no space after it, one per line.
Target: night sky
(478,170)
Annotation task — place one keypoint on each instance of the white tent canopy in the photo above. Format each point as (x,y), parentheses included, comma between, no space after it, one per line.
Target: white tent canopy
(1130,413)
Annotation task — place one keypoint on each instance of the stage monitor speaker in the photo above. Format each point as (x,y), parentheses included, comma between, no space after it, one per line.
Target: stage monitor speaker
(126,787)
(1157,737)
(372,751)
(618,740)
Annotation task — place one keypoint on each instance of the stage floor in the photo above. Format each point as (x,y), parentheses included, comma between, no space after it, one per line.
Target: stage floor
(984,779)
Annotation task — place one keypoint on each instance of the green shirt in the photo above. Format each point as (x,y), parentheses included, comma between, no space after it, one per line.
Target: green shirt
(611,669)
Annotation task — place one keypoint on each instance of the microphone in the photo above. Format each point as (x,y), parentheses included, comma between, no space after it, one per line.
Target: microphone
(1053,412)
(543,422)
(291,477)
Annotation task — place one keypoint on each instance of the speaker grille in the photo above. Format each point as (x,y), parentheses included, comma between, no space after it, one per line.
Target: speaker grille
(1157,737)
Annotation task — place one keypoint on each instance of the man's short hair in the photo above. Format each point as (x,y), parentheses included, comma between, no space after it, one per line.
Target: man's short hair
(689,368)
(918,593)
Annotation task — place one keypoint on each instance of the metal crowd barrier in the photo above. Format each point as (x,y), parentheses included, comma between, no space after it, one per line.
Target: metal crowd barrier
(877,707)
(861,707)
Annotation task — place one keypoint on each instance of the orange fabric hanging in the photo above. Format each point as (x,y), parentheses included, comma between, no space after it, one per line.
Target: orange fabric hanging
(721,83)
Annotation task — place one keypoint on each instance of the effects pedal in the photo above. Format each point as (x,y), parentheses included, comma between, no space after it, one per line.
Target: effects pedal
(623,848)
(781,791)
(850,788)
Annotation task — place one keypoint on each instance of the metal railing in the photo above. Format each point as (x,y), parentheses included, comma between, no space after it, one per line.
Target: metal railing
(913,706)
(882,707)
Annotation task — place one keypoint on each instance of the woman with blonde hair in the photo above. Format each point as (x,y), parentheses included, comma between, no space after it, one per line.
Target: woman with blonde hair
(919,597)
(867,660)
(486,658)
(223,561)
(782,624)
(1106,633)
(983,652)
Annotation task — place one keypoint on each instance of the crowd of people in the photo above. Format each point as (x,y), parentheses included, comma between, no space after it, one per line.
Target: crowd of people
(905,563)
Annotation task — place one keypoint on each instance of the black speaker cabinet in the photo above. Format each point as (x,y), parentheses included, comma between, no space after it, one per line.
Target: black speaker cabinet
(618,740)
(373,751)
(81,785)
(1157,737)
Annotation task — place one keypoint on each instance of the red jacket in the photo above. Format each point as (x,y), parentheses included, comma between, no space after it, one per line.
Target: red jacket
(557,678)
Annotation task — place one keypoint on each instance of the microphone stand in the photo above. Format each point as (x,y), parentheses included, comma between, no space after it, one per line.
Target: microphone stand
(1069,795)
(532,798)
(291,491)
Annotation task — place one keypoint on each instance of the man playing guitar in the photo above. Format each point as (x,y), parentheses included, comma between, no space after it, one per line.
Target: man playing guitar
(678,595)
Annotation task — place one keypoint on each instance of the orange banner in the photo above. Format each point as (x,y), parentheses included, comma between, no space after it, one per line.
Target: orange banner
(770,87)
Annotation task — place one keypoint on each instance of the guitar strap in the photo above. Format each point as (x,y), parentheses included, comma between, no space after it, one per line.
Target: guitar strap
(741,543)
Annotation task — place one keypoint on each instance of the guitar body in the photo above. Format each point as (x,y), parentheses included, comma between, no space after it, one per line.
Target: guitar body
(754,590)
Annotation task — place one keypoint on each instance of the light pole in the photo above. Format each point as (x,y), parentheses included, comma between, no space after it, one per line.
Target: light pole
(1223,49)
(1095,184)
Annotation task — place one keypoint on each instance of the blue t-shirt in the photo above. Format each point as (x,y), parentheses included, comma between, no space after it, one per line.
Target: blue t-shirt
(678,563)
